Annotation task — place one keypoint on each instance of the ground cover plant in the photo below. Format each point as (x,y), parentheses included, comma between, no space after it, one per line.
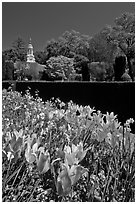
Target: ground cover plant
(52,151)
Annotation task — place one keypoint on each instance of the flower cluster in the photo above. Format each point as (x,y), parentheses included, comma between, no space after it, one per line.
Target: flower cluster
(68,140)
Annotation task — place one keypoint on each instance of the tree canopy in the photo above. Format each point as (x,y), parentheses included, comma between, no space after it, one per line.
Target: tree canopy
(61,67)
(77,51)
(123,35)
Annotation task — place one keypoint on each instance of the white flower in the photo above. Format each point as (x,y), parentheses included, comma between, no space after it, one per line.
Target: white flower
(10,156)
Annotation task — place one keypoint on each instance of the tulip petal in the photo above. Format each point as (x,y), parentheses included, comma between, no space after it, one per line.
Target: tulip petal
(35,147)
(29,155)
(74,148)
(43,163)
(67,149)
(70,159)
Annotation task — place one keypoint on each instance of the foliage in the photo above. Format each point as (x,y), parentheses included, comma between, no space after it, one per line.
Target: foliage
(69,44)
(101,71)
(61,68)
(120,69)
(103,47)
(77,43)
(19,70)
(64,152)
(17,52)
(17,55)
(9,55)
(123,35)
(85,71)
(3,67)
(34,70)
(7,69)
(97,71)
(40,57)
(79,60)
(19,49)
(100,49)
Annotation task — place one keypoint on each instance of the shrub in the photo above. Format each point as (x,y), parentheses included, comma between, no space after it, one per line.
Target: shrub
(61,68)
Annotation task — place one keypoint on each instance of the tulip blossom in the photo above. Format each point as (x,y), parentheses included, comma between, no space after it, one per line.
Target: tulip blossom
(74,154)
(43,162)
(70,170)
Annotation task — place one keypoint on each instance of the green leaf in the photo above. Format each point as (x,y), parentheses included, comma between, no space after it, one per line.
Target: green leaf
(4,155)
(63,182)
(61,154)
(76,172)
(59,188)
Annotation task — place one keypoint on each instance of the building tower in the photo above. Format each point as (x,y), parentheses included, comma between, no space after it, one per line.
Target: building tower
(30,55)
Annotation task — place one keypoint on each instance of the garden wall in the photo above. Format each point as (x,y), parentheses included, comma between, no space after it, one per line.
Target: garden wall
(109,96)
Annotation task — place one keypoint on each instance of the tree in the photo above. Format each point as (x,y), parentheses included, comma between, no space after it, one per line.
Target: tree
(100,49)
(40,57)
(61,68)
(68,45)
(102,53)
(19,70)
(52,48)
(9,55)
(81,67)
(19,49)
(85,72)
(98,71)
(34,71)
(76,42)
(123,35)
(119,67)
(3,67)
(9,70)
(71,45)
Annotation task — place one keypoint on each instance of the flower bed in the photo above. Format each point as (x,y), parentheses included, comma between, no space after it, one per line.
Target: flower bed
(54,151)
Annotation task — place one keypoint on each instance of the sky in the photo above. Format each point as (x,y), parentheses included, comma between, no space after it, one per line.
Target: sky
(43,21)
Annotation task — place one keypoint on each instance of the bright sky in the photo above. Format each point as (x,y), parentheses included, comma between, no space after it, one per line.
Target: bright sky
(43,21)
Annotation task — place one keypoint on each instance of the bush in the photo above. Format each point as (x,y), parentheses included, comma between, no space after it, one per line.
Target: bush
(54,151)
(119,67)
(61,68)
